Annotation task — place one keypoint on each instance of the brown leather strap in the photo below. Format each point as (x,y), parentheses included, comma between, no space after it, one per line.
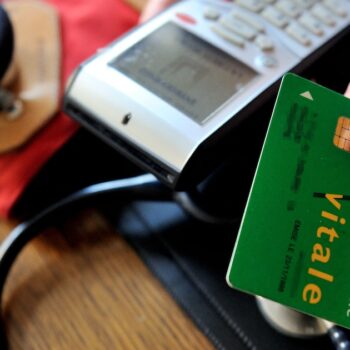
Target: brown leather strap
(36,84)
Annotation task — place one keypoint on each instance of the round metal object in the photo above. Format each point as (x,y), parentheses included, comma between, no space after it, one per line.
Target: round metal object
(289,321)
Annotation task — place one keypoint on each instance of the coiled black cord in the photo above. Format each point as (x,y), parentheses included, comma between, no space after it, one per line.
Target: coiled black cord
(139,187)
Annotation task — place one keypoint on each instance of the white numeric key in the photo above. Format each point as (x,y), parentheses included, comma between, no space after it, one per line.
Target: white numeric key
(289,8)
(264,42)
(231,37)
(211,14)
(239,28)
(323,14)
(336,7)
(311,23)
(249,19)
(275,17)
(252,5)
(305,3)
(299,34)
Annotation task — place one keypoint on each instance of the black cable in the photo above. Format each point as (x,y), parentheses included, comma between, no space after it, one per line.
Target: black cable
(193,202)
(6,41)
(139,187)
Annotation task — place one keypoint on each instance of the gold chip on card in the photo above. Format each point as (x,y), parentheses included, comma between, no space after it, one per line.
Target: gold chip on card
(342,134)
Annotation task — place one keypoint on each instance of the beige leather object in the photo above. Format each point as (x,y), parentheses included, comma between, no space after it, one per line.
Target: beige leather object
(137,4)
(35,76)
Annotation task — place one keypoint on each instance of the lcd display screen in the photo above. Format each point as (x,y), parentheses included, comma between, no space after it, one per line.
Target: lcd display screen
(185,71)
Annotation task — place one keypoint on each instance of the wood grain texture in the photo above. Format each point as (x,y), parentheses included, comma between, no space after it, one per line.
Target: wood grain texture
(83,287)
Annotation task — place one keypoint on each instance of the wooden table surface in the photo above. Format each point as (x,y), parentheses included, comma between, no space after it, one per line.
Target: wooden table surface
(81,286)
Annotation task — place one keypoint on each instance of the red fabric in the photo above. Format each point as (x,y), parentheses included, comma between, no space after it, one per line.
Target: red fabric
(86,25)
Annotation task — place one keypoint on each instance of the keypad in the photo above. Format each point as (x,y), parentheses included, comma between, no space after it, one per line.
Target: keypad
(301,20)
(240,28)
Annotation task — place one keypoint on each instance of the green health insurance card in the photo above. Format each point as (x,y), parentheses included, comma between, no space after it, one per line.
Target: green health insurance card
(293,245)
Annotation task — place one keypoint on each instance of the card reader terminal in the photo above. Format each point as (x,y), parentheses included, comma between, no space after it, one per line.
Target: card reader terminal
(168,93)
